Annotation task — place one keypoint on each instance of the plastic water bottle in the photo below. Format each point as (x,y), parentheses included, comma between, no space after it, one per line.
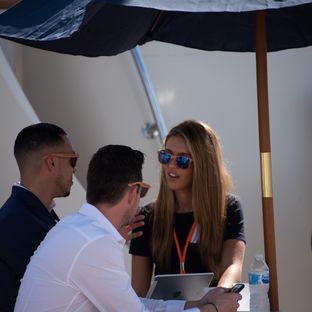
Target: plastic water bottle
(259,282)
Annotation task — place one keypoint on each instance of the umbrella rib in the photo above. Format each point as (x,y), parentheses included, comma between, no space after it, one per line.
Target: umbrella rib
(156,21)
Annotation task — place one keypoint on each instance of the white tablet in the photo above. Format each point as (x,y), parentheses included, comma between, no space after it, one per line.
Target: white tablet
(190,286)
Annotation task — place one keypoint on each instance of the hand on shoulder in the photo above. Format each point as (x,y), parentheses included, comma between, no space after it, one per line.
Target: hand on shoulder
(126,231)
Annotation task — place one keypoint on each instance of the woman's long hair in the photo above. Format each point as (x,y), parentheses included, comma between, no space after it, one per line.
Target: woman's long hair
(211,183)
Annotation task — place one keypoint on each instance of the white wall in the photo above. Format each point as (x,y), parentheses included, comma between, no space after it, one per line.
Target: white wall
(101,101)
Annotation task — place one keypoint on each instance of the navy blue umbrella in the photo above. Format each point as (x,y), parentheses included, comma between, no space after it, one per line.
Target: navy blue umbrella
(98,27)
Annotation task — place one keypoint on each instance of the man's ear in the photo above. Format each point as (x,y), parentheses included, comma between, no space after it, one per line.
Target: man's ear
(132,194)
(49,164)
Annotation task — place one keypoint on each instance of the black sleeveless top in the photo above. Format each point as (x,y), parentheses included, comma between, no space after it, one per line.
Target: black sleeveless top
(141,246)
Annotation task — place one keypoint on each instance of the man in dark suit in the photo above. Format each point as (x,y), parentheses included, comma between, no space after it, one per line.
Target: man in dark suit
(46,162)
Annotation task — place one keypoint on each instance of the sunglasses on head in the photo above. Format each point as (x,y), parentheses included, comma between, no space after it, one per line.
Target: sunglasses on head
(72,156)
(181,161)
(144,187)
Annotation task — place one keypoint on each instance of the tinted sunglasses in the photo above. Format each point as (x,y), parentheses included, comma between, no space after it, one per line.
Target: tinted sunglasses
(144,187)
(181,161)
(72,156)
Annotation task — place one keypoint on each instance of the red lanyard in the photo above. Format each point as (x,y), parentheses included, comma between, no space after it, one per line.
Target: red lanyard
(182,257)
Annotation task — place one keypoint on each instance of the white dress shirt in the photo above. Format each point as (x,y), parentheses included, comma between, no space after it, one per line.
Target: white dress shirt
(80,267)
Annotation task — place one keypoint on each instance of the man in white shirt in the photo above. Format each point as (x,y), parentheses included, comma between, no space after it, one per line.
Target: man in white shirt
(80,265)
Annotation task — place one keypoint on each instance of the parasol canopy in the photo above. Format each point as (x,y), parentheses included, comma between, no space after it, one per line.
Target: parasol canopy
(108,27)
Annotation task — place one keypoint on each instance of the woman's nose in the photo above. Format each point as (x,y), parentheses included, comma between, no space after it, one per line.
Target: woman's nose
(172,162)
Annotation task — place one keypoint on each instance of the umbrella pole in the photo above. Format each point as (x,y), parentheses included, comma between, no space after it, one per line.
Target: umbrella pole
(265,155)
(6,4)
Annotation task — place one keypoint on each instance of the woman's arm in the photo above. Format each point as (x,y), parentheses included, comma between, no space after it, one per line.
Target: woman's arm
(233,252)
(142,269)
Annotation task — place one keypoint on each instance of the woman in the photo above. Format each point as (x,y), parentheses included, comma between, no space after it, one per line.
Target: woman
(195,225)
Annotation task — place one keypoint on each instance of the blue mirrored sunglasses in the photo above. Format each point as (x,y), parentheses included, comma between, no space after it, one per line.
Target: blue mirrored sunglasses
(181,161)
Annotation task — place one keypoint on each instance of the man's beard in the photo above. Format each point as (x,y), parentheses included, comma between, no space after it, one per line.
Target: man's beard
(64,191)
(66,194)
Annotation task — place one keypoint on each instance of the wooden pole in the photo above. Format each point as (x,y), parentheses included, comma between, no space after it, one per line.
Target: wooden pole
(265,155)
(5,4)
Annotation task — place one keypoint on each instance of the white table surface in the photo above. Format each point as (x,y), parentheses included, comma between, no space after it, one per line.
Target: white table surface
(244,303)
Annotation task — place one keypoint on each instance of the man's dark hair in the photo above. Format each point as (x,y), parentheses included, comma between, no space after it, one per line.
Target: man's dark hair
(37,137)
(110,170)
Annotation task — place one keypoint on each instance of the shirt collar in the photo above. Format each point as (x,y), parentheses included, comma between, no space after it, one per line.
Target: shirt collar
(93,213)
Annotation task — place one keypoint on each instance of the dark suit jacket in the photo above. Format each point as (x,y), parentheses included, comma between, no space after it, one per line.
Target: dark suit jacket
(24,222)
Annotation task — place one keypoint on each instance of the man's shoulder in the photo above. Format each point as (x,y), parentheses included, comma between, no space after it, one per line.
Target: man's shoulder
(19,198)
(10,210)
(24,215)
(83,235)
(88,228)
